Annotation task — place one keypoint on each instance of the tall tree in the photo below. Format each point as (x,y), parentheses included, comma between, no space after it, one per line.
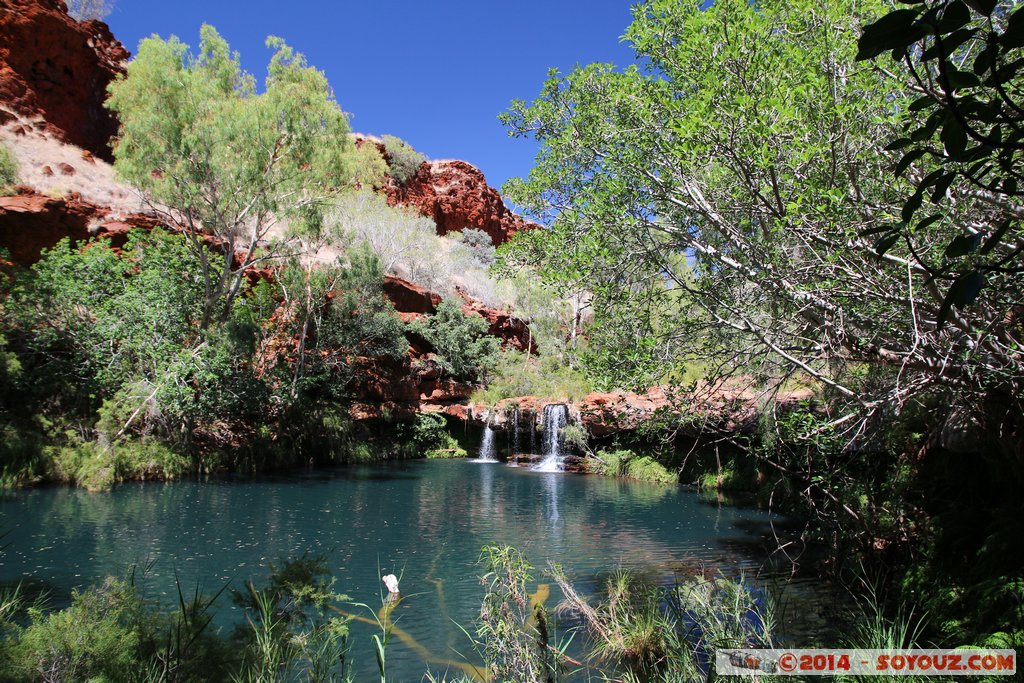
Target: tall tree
(725,195)
(230,165)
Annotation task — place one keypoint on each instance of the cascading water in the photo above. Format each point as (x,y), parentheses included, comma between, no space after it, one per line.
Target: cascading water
(515,431)
(486,453)
(555,418)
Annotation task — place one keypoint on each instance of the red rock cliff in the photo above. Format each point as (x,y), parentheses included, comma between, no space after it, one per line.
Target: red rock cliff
(456,195)
(54,67)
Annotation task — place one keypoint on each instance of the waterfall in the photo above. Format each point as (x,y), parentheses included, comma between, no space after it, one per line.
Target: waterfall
(555,417)
(487,447)
(515,430)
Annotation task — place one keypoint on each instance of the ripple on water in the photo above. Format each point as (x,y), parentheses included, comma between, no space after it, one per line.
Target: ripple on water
(425,521)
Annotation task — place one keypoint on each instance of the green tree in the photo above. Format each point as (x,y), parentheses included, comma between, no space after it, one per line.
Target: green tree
(229,165)
(342,319)
(722,194)
(461,342)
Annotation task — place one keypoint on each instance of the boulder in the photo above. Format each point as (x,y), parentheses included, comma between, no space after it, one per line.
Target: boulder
(456,195)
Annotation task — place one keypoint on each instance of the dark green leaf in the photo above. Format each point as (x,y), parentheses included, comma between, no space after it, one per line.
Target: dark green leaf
(949,44)
(939,193)
(1013,36)
(928,221)
(956,15)
(954,138)
(984,7)
(882,228)
(1005,73)
(895,30)
(962,245)
(912,205)
(921,103)
(958,80)
(898,144)
(931,179)
(885,242)
(962,293)
(986,58)
(908,158)
(992,241)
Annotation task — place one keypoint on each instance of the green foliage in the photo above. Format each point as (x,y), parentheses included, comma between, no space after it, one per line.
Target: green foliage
(340,315)
(370,166)
(91,325)
(8,170)
(98,467)
(626,463)
(660,634)
(703,197)
(460,340)
(403,160)
(547,377)
(514,635)
(99,637)
(289,631)
(196,136)
(428,436)
(112,344)
(113,633)
(965,130)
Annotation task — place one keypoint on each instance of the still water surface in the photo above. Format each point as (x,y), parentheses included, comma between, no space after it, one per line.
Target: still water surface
(423,520)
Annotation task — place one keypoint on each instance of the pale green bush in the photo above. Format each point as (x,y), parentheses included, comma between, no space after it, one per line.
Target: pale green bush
(9,173)
(403,160)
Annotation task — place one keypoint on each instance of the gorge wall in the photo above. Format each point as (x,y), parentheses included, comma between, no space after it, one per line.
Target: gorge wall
(54,72)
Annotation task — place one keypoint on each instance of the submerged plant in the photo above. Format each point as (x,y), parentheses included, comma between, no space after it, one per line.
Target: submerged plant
(667,634)
(513,633)
(288,630)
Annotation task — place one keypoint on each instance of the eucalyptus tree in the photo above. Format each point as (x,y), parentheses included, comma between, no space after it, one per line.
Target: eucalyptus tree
(230,165)
(723,199)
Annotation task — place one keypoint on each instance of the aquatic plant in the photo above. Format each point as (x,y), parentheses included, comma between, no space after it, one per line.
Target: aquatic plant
(667,634)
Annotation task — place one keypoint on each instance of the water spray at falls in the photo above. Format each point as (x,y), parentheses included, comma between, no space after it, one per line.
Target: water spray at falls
(555,418)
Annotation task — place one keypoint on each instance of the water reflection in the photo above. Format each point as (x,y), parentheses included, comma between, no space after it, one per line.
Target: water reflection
(425,521)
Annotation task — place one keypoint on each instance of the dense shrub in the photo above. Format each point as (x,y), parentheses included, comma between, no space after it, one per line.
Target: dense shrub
(408,246)
(99,637)
(428,436)
(626,463)
(403,160)
(370,165)
(480,245)
(460,340)
(547,377)
(8,170)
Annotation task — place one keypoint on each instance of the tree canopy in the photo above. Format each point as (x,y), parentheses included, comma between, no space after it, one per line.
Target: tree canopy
(722,200)
(223,160)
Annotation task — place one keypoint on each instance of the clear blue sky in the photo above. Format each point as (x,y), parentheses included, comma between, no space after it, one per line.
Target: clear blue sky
(434,73)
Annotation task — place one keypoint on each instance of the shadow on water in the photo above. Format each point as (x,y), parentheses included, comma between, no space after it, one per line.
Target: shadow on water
(424,519)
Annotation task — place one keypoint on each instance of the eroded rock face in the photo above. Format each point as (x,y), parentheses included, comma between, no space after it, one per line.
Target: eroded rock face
(54,67)
(31,222)
(513,332)
(409,297)
(456,195)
